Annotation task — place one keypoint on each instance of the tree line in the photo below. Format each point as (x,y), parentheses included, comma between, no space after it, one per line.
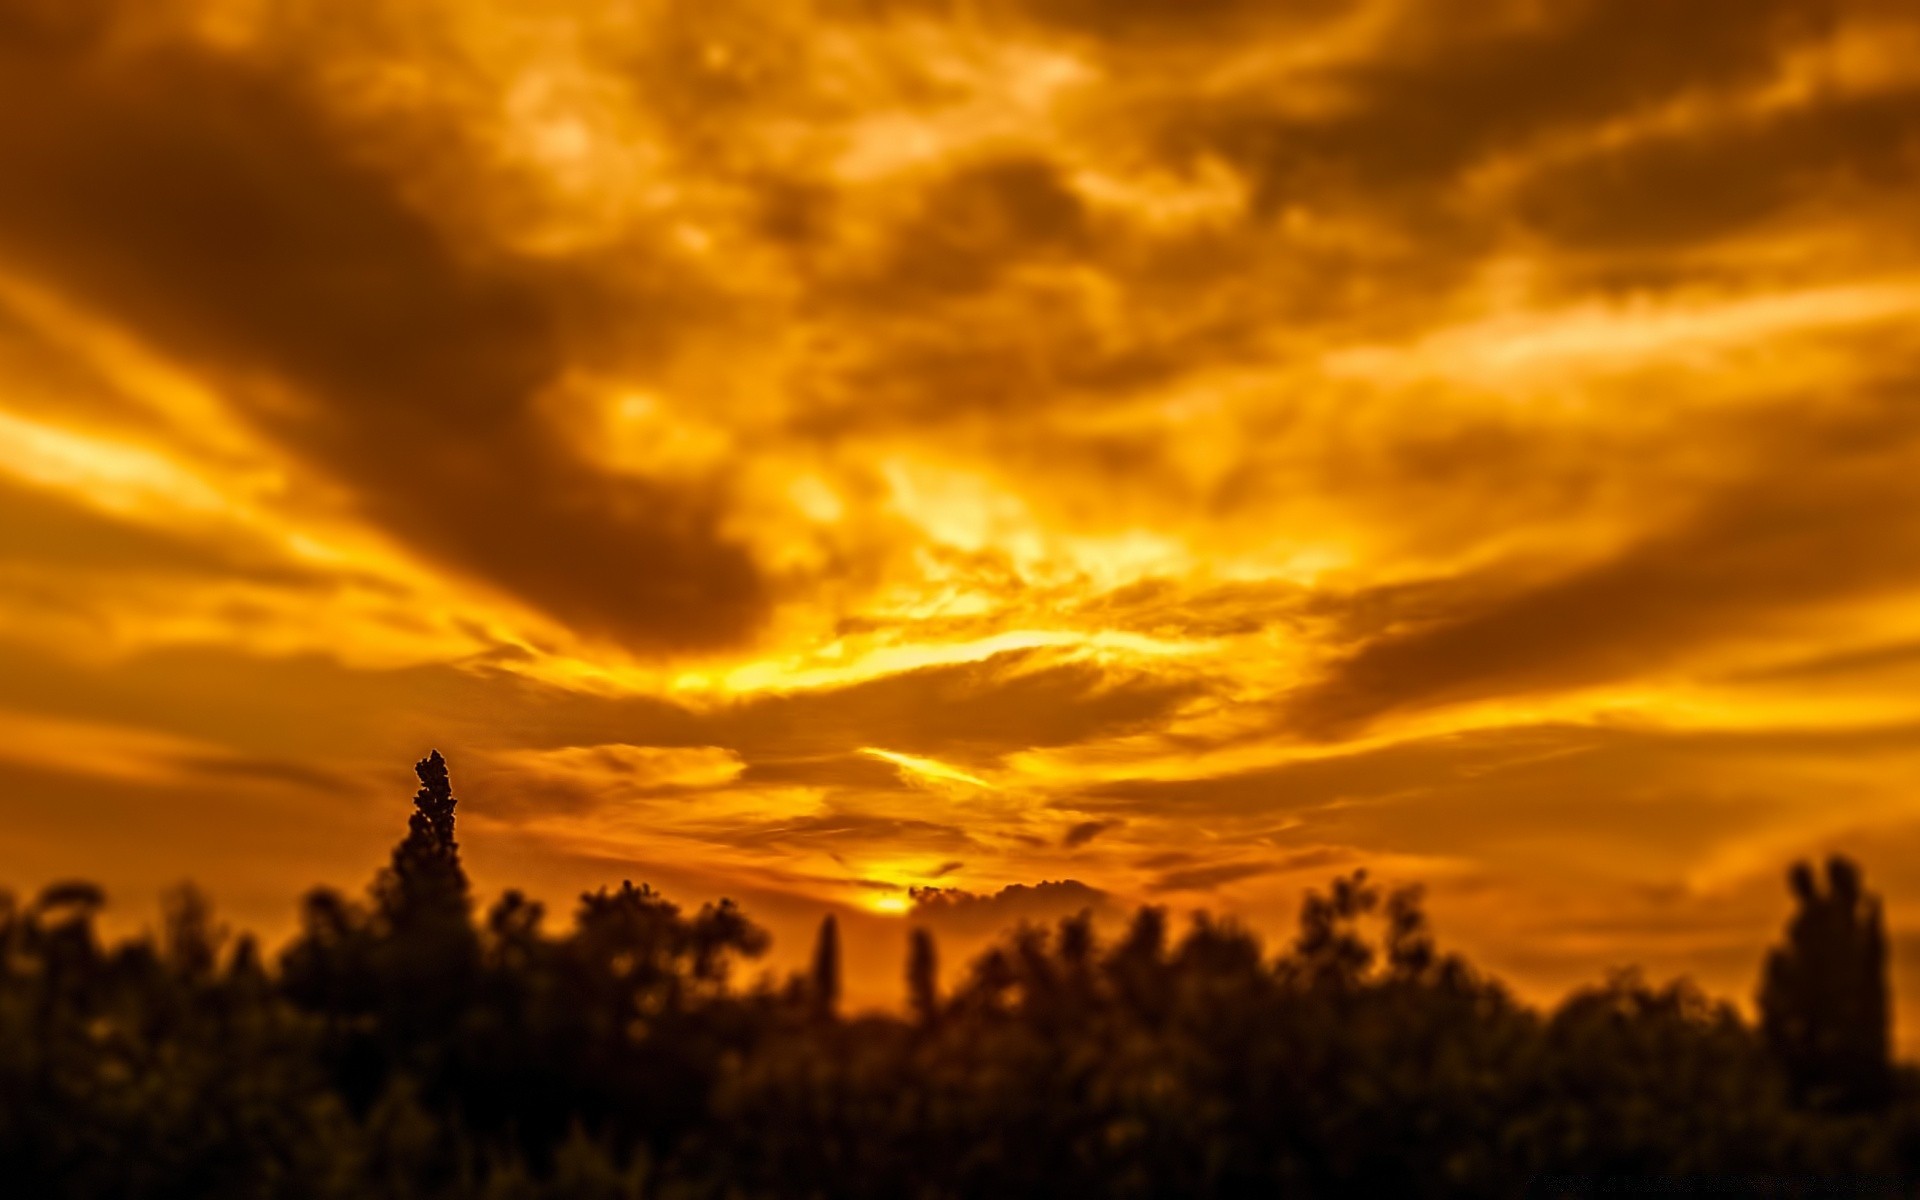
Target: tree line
(403,1046)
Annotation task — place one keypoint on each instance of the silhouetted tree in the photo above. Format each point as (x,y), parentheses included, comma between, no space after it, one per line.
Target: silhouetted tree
(1137,965)
(190,939)
(1409,942)
(1329,948)
(823,981)
(425,881)
(923,977)
(1824,994)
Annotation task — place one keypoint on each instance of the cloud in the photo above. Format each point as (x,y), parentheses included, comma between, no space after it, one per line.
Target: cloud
(43,530)
(1678,189)
(1596,803)
(92,749)
(850,770)
(970,914)
(1894,658)
(974,710)
(1203,21)
(984,219)
(1084,832)
(529,782)
(844,829)
(1436,92)
(643,768)
(404,366)
(1757,551)
(1208,878)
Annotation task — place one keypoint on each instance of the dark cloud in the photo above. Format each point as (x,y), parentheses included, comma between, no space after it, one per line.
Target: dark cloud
(1314,858)
(1022,347)
(1207,878)
(1008,702)
(516,787)
(1764,546)
(1539,798)
(268,770)
(514,797)
(259,246)
(855,771)
(1682,189)
(977,305)
(1403,769)
(1086,831)
(1156,21)
(968,914)
(1457,81)
(980,220)
(848,829)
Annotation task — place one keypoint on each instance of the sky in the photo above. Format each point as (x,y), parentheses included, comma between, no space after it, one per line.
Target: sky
(1071,453)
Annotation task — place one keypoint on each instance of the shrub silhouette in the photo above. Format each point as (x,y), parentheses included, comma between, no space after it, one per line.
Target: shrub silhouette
(405,1048)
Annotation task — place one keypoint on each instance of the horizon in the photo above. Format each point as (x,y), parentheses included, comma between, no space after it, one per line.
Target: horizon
(873,940)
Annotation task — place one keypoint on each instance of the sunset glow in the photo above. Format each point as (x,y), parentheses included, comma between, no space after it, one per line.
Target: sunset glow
(805,450)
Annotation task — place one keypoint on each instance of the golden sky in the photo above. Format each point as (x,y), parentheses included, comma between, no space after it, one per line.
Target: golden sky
(1107,450)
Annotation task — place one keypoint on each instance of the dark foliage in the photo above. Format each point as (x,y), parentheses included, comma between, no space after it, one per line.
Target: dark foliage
(404,1050)
(923,977)
(1823,998)
(823,982)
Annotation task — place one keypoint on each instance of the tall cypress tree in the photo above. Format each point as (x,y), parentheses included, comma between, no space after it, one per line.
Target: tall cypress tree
(824,989)
(923,976)
(425,880)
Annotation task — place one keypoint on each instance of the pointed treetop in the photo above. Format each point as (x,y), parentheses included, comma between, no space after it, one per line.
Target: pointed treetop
(425,874)
(435,799)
